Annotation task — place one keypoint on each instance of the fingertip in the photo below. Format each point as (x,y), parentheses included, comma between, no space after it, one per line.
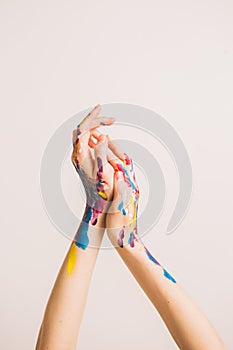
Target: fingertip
(107,121)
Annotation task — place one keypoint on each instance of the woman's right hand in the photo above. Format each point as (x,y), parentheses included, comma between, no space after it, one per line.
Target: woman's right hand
(121,218)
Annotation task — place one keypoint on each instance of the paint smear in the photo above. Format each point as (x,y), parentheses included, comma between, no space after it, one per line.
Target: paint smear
(121,208)
(165,273)
(71,259)
(121,236)
(102,194)
(131,239)
(82,239)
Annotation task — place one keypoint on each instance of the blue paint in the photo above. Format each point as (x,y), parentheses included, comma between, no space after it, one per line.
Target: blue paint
(165,273)
(82,239)
(151,257)
(120,207)
(122,167)
(131,239)
(128,177)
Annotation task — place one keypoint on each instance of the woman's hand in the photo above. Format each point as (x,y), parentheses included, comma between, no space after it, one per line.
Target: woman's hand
(95,173)
(121,219)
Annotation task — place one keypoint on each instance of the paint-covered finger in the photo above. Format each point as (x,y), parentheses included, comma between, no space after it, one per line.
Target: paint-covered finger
(93,120)
(102,121)
(128,162)
(113,162)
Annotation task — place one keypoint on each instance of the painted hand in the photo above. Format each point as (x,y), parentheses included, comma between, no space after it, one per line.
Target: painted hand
(96,173)
(121,219)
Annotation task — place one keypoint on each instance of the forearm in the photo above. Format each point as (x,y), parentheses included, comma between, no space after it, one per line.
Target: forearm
(64,311)
(186,323)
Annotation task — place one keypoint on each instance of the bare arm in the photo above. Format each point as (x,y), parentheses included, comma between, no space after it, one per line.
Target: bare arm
(188,326)
(64,311)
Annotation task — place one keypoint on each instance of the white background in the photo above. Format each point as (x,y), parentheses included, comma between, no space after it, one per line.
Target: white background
(60,57)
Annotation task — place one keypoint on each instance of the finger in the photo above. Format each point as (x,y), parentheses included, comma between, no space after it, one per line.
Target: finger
(114,162)
(81,154)
(94,138)
(123,156)
(115,148)
(100,153)
(101,121)
(92,120)
(95,133)
(128,163)
(91,143)
(87,120)
(100,149)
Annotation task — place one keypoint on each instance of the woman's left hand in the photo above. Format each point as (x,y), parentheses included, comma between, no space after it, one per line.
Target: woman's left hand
(96,173)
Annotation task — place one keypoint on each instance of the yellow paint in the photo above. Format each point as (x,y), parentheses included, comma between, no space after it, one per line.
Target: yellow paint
(102,194)
(133,220)
(71,259)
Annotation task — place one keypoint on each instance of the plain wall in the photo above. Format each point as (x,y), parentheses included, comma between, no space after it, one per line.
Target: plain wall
(60,57)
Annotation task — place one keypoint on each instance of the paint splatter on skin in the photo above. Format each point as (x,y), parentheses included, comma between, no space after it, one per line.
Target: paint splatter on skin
(134,208)
(94,187)
(96,198)
(165,273)
(133,201)
(126,176)
(127,159)
(121,208)
(121,236)
(131,239)
(71,259)
(99,180)
(81,238)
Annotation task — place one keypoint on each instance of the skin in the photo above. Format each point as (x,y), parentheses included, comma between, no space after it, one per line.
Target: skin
(96,174)
(188,326)
(112,203)
(64,311)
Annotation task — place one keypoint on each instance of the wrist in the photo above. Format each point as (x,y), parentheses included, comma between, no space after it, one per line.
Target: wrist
(123,235)
(94,217)
(91,229)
